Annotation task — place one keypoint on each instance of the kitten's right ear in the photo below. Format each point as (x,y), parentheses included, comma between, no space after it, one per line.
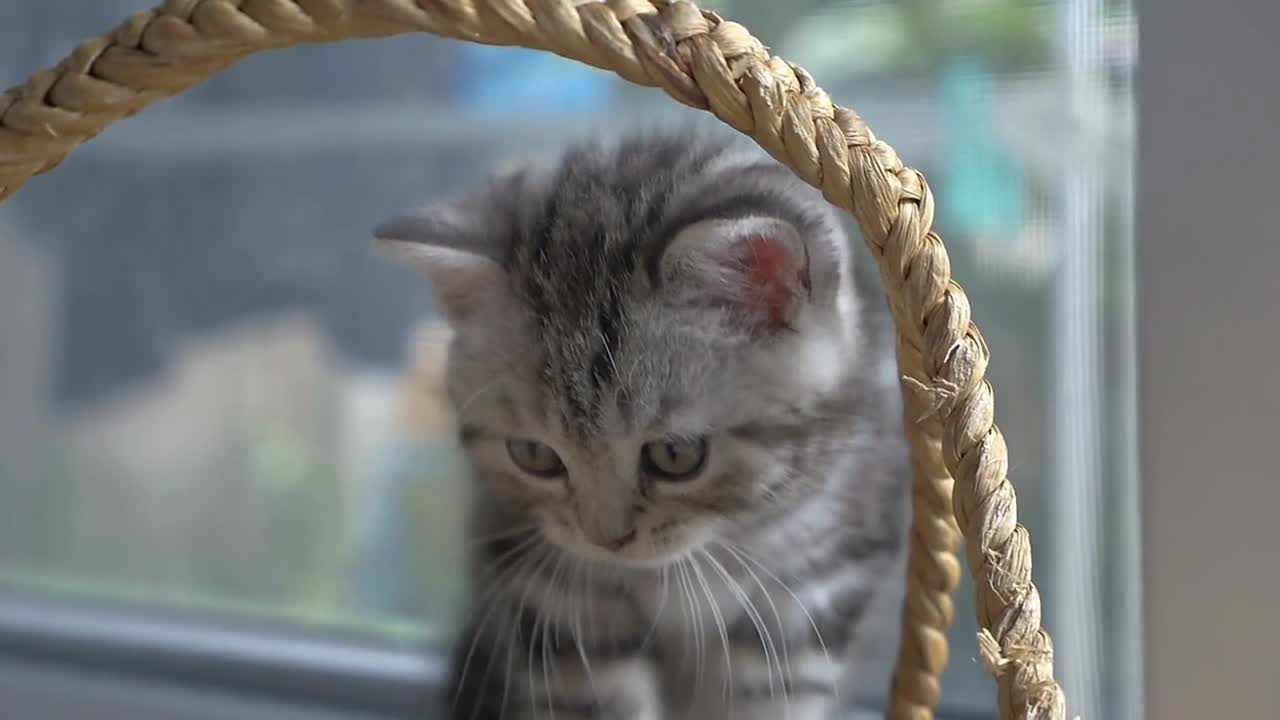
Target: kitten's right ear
(461,247)
(758,267)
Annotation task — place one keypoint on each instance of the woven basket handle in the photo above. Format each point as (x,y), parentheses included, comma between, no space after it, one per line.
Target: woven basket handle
(711,64)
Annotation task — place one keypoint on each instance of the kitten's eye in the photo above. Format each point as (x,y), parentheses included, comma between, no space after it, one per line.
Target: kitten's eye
(535,458)
(674,458)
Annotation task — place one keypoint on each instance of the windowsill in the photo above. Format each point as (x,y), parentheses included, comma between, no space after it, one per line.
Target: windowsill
(59,662)
(44,691)
(271,664)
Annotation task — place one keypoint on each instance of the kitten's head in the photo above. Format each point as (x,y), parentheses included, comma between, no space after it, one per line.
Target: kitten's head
(647,341)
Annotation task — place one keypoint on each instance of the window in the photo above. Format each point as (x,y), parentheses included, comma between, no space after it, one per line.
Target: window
(218,408)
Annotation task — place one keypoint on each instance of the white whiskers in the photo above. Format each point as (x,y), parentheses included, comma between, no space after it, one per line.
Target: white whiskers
(727,685)
(762,630)
(741,554)
(522,559)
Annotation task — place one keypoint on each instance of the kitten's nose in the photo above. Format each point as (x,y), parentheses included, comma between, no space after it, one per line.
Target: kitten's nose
(617,543)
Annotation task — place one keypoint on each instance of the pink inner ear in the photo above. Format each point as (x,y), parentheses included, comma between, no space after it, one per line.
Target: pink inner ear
(773,272)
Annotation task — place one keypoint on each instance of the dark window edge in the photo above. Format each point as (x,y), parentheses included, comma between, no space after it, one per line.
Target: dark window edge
(279,664)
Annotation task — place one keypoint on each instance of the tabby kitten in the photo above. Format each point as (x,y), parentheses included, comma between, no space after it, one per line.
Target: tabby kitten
(685,431)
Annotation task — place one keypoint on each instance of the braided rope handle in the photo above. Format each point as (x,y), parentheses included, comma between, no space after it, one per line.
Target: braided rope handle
(711,64)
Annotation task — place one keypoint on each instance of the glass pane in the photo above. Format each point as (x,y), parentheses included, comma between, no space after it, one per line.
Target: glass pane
(214,397)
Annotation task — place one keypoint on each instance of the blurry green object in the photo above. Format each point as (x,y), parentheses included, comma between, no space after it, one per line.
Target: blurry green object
(984,185)
(134,596)
(411,564)
(1002,33)
(907,37)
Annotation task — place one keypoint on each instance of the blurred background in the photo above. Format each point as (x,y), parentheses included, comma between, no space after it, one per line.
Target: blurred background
(219,409)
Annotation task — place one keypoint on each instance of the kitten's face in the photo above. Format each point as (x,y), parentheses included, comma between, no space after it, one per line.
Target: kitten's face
(670,456)
(643,343)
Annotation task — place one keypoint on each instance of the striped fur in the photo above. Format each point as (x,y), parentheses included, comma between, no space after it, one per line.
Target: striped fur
(589,308)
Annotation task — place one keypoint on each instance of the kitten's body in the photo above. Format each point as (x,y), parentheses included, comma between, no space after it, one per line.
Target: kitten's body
(674,293)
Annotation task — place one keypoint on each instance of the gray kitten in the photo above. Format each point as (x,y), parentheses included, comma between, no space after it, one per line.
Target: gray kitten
(685,430)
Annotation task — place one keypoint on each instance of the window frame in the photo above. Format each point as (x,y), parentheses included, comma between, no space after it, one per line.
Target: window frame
(338,672)
(1206,574)
(1207,158)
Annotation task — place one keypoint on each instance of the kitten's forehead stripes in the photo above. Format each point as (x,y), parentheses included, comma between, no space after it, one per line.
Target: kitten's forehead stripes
(608,212)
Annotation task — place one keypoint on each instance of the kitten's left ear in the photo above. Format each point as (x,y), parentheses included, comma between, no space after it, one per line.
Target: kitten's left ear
(461,245)
(762,268)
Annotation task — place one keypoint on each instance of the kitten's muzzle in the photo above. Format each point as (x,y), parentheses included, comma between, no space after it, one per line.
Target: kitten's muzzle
(617,543)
